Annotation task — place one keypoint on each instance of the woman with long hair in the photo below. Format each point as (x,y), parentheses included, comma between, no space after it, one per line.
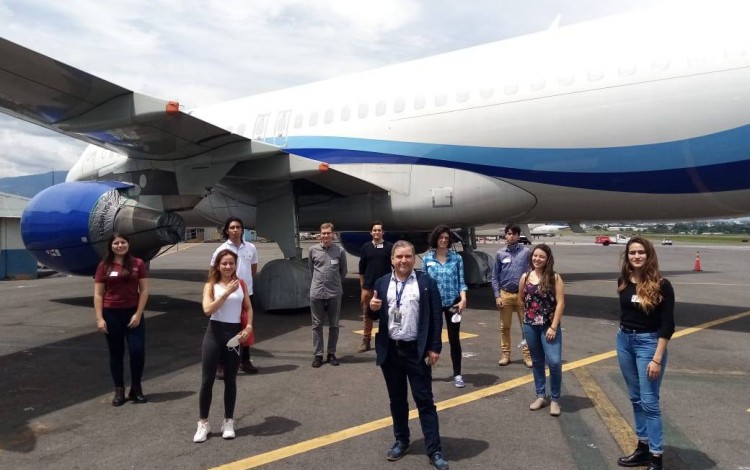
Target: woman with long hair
(446,267)
(120,295)
(224,299)
(646,325)
(542,295)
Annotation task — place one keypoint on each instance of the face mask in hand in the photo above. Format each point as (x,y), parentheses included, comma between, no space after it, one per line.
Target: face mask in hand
(234,344)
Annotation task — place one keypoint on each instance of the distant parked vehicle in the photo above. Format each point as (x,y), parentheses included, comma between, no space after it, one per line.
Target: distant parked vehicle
(666,241)
(524,240)
(606,240)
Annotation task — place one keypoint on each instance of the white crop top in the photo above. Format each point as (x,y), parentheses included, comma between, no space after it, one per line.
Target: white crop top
(230,310)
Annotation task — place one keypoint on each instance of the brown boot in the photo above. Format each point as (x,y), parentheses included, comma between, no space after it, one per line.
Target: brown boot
(365,346)
(527,359)
(119,397)
(504,359)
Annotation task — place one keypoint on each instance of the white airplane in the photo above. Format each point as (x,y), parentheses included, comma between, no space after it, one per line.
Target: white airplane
(640,116)
(546,230)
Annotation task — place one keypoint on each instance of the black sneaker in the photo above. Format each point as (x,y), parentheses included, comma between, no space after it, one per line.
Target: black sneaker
(438,461)
(248,368)
(398,450)
(317,361)
(332,360)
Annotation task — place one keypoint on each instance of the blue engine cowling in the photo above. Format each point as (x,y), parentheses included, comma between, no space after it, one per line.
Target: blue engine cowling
(66,227)
(353,241)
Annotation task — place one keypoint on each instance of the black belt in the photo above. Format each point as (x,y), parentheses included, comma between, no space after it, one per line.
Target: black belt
(509,291)
(400,343)
(632,331)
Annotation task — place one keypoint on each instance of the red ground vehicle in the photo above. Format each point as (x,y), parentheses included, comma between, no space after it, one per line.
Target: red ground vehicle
(606,240)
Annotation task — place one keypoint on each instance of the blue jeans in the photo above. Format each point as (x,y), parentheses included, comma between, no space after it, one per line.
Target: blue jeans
(542,350)
(634,352)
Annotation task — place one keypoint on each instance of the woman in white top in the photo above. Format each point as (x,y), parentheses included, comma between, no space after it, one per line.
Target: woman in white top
(224,298)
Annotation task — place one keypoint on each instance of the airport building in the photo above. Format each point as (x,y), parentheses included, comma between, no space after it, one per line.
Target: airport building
(15,261)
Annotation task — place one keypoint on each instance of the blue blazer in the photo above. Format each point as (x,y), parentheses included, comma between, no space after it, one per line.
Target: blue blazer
(430,324)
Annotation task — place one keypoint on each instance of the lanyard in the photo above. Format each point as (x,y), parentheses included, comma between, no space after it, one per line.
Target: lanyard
(399,293)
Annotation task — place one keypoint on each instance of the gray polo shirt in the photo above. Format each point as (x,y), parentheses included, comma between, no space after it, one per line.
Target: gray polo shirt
(328,269)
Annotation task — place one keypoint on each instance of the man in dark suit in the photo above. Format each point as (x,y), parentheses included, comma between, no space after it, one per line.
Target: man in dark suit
(407,305)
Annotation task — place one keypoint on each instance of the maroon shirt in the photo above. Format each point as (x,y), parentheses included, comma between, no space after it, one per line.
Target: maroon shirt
(121,291)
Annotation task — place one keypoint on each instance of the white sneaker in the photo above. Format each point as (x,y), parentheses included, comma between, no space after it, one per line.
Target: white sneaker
(202,433)
(227,429)
(459,381)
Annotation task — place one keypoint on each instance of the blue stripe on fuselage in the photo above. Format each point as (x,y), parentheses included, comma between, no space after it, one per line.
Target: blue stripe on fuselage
(712,163)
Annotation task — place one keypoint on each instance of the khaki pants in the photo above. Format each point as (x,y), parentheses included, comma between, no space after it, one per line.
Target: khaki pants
(364,299)
(510,305)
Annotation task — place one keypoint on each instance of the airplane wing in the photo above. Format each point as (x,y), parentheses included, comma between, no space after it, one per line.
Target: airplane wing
(54,95)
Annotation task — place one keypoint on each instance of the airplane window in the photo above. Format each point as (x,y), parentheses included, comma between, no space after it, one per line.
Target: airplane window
(345,112)
(486,93)
(298,120)
(380,108)
(441,99)
(660,64)
(314,119)
(399,104)
(595,75)
(419,101)
(511,88)
(627,70)
(363,110)
(462,96)
(566,80)
(538,84)
(328,118)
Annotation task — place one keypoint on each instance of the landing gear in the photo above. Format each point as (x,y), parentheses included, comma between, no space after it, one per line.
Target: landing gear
(283,283)
(477,264)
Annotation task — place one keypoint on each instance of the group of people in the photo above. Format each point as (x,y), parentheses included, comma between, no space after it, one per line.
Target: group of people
(410,307)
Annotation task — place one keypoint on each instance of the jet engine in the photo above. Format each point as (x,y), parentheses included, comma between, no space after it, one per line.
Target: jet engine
(66,227)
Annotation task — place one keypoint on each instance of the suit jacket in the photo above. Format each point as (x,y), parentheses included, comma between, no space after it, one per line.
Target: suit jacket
(430,323)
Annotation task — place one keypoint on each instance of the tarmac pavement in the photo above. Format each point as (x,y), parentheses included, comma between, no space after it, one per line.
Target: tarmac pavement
(55,387)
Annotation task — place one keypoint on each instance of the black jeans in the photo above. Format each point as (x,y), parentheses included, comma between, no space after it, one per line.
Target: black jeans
(454,329)
(402,364)
(118,334)
(215,349)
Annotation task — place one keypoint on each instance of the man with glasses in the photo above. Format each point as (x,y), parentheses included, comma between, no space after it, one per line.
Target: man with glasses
(327,263)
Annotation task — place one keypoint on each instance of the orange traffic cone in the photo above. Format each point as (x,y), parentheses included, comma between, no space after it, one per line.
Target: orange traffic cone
(697,266)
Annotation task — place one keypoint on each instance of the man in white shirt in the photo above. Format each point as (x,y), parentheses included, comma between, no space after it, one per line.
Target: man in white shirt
(407,306)
(247,266)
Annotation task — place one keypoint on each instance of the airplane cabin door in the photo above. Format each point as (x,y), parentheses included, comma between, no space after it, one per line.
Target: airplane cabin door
(281,128)
(259,131)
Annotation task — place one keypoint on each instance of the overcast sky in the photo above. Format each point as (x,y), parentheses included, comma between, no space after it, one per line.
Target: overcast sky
(201,52)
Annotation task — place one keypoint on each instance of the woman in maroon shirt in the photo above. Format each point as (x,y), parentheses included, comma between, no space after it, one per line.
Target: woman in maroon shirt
(120,294)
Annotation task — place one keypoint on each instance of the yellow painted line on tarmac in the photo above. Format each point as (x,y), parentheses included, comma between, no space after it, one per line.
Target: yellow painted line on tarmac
(338,436)
(613,419)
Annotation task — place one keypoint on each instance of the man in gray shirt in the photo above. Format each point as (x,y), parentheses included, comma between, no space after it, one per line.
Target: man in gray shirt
(328,268)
